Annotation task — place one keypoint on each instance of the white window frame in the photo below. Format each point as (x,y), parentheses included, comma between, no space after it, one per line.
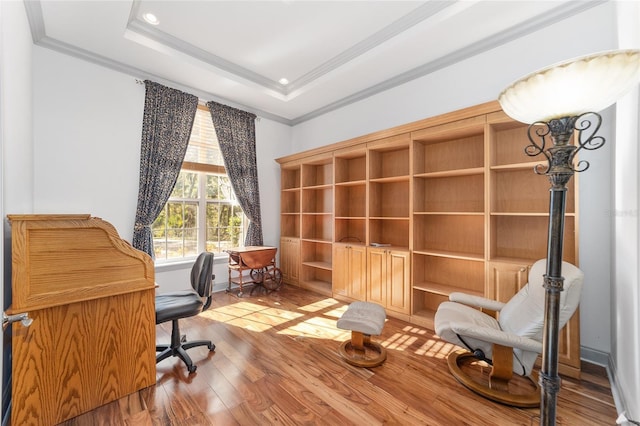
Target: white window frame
(203,170)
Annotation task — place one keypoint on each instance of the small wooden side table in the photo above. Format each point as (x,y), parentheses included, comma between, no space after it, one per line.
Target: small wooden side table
(261,263)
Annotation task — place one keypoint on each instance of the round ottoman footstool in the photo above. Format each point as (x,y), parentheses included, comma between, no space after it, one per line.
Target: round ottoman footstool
(364,319)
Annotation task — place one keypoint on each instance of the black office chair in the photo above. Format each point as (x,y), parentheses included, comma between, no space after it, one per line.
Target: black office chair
(183,304)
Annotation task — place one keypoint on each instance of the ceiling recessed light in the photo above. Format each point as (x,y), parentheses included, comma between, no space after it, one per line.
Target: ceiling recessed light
(283,81)
(151,18)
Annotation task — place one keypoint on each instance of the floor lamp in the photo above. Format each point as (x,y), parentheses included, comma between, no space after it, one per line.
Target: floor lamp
(559,102)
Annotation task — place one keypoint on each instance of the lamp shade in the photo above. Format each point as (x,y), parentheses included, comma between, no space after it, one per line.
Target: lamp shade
(586,84)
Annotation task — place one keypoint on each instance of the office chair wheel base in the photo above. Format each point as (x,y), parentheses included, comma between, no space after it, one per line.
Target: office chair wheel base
(525,399)
(192,369)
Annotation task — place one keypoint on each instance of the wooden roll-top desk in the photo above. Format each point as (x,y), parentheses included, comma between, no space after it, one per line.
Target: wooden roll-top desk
(91,297)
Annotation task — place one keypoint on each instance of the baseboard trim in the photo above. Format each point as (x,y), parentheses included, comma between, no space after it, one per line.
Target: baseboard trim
(618,397)
(594,356)
(605,360)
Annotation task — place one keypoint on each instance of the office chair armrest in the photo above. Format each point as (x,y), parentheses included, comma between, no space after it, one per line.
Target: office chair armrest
(477,301)
(500,337)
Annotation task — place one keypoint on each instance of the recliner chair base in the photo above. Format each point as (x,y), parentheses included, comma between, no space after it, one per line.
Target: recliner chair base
(524,400)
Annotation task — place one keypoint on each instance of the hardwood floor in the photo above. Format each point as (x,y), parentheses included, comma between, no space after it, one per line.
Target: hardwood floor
(276,362)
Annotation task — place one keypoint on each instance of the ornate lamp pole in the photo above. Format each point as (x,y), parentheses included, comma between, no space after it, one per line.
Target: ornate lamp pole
(557,102)
(559,169)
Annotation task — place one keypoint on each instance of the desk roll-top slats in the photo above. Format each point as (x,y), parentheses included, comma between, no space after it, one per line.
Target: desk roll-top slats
(91,297)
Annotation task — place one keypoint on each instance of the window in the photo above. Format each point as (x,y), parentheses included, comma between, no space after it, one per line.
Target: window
(202,212)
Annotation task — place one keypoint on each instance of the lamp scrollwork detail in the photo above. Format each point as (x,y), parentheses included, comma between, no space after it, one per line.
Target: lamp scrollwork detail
(560,131)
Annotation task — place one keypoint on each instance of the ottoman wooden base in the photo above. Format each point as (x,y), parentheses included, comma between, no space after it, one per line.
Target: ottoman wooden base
(362,352)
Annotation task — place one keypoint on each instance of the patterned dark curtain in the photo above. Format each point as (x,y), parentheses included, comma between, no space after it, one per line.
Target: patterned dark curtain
(166,127)
(236,131)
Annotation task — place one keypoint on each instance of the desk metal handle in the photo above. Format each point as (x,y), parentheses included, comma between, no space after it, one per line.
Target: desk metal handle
(10,319)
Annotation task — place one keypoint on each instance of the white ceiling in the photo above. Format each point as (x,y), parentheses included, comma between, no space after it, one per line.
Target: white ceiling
(332,52)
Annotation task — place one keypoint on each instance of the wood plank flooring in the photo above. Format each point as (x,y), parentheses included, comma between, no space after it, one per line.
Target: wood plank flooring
(276,362)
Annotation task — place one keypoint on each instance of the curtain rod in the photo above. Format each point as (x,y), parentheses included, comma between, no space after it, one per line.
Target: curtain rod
(200,100)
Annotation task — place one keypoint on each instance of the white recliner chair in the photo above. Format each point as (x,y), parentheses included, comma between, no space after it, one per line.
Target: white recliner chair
(510,343)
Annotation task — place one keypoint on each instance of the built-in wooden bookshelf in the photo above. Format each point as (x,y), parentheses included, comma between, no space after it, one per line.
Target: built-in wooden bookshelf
(350,168)
(518,222)
(317,223)
(406,216)
(448,217)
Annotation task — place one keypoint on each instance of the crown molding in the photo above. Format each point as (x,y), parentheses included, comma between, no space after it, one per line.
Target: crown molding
(76,52)
(38,32)
(400,25)
(182,48)
(517,31)
(155,38)
(36,23)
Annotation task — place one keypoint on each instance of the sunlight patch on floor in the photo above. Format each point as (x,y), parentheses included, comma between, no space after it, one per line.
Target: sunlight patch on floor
(319,305)
(435,349)
(315,329)
(249,325)
(415,330)
(337,313)
(399,342)
(257,317)
(251,316)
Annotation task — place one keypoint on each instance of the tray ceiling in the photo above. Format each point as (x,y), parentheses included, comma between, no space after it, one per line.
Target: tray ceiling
(331,52)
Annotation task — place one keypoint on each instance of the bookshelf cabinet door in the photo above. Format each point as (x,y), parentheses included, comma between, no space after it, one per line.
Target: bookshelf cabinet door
(290,260)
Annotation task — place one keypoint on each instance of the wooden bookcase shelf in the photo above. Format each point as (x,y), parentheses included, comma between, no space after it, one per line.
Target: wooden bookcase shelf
(318,199)
(389,199)
(352,230)
(290,225)
(449,233)
(290,201)
(317,227)
(444,275)
(351,200)
(389,158)
(525,237)
(351,167)
(455,201)
(394,232)
(462,193)
(317,174)
(435,152)
(290,178)
(522,190)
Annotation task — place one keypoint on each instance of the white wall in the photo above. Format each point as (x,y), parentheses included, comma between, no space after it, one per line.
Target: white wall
(625,331)
(480,79)
(87,129)
(16,181)
(15,136)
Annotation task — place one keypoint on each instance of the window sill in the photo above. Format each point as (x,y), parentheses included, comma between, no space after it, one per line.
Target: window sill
(185,263)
